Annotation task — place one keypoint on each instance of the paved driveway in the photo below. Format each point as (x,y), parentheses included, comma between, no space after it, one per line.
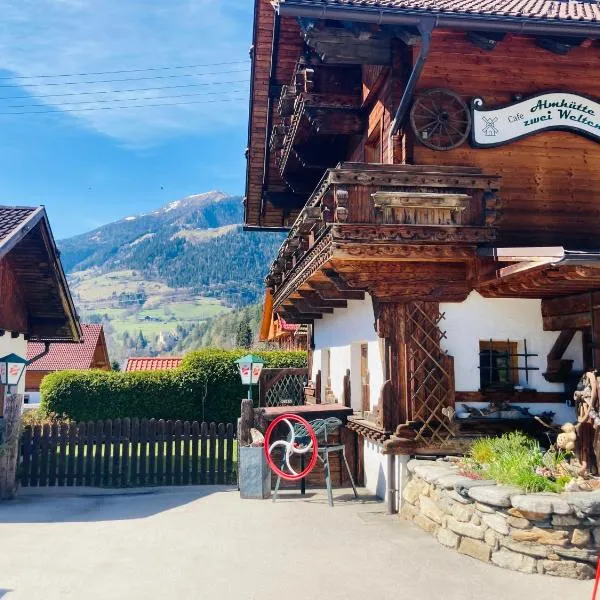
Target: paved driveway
(206,543)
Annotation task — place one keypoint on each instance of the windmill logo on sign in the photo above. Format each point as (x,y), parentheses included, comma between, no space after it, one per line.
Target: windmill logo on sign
(490,128)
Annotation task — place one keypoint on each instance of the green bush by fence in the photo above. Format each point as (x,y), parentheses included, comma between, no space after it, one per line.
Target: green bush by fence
(205,388)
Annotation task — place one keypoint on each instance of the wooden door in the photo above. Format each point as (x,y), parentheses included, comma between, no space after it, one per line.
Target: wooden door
(364,377)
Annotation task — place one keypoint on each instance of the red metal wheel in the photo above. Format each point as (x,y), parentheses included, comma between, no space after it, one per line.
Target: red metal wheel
(291,447)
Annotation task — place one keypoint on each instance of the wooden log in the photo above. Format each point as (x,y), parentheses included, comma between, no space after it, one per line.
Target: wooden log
(212,452)
(229,460)
(246,422)
(143,453)
(25,456)
(99,445)
(177,433)
(185,448)
(203,453)
(221,453)
(72,453)
(10,456)
(107,453)
(135,440)
(116,452)
(89,453)
(80,454)
(195,440)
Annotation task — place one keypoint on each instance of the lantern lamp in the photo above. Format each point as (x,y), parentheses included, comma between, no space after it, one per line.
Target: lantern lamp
(250,367)
(12,368)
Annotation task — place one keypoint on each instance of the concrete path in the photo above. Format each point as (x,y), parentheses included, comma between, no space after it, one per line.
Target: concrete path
(206,543)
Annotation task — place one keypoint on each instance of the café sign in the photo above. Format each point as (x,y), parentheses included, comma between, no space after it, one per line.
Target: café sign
(543,112)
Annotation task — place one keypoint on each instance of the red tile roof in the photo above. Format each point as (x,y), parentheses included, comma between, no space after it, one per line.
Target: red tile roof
(155,363)
(63,356)
(548,10)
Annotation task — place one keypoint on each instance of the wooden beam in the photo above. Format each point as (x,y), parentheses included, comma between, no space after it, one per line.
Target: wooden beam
(340,283)
(486,40)
(557,369)
(315,299)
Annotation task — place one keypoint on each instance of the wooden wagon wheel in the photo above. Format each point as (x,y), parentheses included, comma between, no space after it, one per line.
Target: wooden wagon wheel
(440,119)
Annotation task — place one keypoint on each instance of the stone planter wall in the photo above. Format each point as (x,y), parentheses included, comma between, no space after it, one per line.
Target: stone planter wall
(553,534)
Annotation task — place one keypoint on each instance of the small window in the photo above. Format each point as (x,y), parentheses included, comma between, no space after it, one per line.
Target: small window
(498,364)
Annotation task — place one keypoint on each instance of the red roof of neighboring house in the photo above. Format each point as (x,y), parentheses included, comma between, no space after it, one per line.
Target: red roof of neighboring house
(63,356)
(155,363)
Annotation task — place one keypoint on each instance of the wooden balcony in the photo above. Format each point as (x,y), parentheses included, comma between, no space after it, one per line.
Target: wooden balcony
(398,232)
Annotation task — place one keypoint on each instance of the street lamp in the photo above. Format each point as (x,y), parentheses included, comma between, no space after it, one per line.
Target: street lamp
(12,367)
(250,367)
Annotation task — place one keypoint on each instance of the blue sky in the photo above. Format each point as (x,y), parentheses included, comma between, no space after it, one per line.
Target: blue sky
(90,167)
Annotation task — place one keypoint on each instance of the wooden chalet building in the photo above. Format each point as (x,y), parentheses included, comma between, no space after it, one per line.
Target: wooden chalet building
(437,165)
(90,353)
(35,301)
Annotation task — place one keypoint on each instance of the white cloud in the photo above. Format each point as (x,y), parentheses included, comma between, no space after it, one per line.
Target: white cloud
(39,37)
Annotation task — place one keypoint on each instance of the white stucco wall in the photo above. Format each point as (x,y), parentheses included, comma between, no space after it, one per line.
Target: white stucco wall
(18,345)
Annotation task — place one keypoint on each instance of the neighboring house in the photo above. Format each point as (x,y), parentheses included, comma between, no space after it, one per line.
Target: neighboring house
(276,330)
(90,353)
(437,165)
(35,301)
(155,363)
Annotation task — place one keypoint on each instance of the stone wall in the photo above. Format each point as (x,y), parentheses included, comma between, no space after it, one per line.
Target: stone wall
(554,534)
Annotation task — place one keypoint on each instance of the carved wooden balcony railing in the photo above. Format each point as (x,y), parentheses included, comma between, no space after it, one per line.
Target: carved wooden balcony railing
(317,113)
(399,232)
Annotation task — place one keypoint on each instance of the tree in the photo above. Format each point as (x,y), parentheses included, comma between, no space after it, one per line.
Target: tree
(115,366)
(243,338)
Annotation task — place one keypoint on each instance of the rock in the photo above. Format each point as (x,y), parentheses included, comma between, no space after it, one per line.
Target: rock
(463,488)
(514,561)
(447,538)
(454,495)
(484,508)
(465,529)
(431,472)
(491,539)
(411,464)
(527,514)
(518,522)
(408,511)
(579,554)
(496,522)
(566,568)
(475,549)
(497,495)
(584,503)
(536,550)
(565,521)
(425,523)
(448,482)
(596,534)
(541,536)
(545,504)
(581,537)
(461,512)
(431,510)
(476,519)
(413,490)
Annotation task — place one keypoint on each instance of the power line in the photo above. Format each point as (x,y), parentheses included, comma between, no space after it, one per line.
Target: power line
(126,99)
(147,89)
(29,85)
(233,62)
(42,112)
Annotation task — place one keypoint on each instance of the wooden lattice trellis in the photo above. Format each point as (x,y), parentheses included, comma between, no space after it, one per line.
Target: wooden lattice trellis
(282,387)
(430,374)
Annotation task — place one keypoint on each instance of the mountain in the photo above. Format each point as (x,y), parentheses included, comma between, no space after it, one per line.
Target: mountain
(150,277)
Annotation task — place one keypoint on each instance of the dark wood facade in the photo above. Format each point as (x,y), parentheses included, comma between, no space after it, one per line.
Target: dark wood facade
(372,208)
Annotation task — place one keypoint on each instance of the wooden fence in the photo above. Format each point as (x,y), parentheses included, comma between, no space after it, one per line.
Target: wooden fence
(128,453)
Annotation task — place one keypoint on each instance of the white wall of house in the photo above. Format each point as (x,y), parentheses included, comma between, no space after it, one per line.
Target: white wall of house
(18,345)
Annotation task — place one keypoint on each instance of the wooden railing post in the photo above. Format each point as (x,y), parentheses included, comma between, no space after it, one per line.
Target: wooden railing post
(9,449)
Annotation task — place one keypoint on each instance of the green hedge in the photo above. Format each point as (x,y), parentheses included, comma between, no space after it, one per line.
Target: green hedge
(174,394)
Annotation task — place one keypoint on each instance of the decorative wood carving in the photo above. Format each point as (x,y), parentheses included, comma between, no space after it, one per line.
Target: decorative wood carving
(341,204)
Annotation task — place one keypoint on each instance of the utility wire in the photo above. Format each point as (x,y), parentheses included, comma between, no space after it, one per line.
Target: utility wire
(29,85)
(147,89)
(42,112)
(233,62)
(126,99)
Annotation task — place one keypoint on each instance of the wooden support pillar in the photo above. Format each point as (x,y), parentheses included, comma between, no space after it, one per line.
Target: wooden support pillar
(9,448)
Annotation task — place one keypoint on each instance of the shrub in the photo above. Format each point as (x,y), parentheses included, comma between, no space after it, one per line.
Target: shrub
(205,387)
(515,459)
